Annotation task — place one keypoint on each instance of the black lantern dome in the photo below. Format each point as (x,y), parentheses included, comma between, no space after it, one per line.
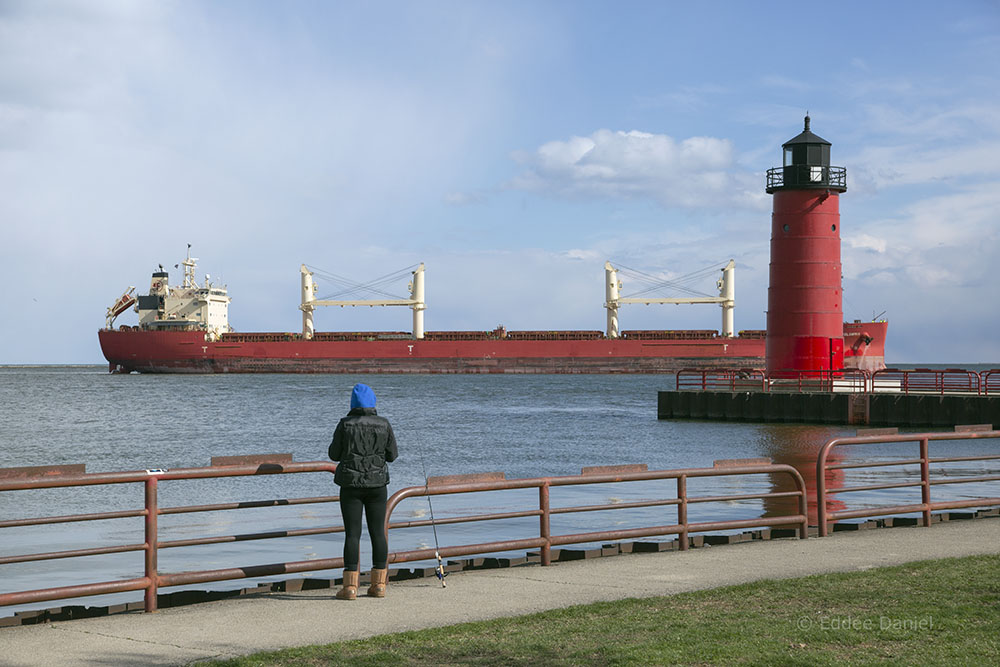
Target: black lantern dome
(806,165)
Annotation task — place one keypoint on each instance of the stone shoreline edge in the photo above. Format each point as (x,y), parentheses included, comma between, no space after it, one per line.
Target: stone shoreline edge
(180,598)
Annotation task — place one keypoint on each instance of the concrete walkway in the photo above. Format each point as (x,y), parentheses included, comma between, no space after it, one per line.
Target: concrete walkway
(184,635)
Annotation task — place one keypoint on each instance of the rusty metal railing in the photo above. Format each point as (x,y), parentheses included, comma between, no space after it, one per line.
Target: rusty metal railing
(928,381)
(545,540)
(925,483)
(721,379)
(990,381)
(847,380)
(48,477)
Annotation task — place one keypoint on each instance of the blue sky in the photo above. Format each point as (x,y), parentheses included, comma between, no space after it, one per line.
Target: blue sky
(513,147)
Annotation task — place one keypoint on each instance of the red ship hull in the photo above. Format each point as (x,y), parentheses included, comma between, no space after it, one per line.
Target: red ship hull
(131,349)
(864,345)
(189,352)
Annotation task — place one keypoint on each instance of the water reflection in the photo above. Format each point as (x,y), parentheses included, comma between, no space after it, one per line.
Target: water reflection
(798,445)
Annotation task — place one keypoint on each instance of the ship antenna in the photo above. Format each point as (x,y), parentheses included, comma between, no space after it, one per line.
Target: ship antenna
(189,265)
(439,570)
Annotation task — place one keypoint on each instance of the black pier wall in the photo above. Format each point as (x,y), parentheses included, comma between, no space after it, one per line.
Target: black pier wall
(830,408)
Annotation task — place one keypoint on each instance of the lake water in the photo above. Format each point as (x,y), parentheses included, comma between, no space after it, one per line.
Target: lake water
(525,426)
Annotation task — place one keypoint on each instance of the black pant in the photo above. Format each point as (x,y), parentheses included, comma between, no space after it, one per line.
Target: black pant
(352,501)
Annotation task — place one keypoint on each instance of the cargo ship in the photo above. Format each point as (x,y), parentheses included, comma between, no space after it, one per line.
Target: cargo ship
(185,329)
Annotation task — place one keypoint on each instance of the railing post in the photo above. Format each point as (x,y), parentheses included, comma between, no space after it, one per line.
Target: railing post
(682,511)
(803,505)
(821,490)
(543,522)
(152,543)
(925,480)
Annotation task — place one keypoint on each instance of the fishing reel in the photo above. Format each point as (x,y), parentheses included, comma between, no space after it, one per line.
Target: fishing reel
(439,571)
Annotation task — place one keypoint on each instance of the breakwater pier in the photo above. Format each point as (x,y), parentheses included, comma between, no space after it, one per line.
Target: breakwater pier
(901,398)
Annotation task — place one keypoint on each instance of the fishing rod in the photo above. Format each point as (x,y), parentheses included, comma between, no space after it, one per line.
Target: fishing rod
(439,570)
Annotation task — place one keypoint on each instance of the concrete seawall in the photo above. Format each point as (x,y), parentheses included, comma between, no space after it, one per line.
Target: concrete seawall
(231,628)
(830,408)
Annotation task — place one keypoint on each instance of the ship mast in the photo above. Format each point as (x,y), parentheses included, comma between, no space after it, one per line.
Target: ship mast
(189,265)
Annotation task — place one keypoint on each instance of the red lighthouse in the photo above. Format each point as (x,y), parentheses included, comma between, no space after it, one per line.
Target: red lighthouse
(805,324)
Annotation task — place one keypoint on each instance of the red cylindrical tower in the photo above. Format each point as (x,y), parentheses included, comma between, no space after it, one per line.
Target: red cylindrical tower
(805,313)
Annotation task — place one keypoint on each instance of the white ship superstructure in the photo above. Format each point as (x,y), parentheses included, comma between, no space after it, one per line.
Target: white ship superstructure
(189,306)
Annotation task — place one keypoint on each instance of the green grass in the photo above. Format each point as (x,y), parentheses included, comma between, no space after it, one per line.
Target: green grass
(932,612)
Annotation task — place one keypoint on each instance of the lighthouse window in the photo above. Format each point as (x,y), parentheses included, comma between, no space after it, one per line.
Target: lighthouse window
(833,228)
(785,228)
(788,157)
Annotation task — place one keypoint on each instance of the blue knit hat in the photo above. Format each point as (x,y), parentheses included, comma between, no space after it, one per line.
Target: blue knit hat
(362,397)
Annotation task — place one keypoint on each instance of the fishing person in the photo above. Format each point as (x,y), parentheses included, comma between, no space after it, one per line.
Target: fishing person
(363,443)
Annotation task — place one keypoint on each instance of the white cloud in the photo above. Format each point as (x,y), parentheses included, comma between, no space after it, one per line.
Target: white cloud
(588,255)
(881,167)
(933,277)
(928,141)
(698,172)
(965,218)
(867,242)
(946,240)
(465,198)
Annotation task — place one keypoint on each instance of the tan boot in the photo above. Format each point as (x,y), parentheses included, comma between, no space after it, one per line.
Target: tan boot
(380,579)
(350,589)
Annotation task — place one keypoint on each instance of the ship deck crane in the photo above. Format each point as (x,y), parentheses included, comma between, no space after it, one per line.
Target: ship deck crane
(416,302)
(726,298)
(121,305)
